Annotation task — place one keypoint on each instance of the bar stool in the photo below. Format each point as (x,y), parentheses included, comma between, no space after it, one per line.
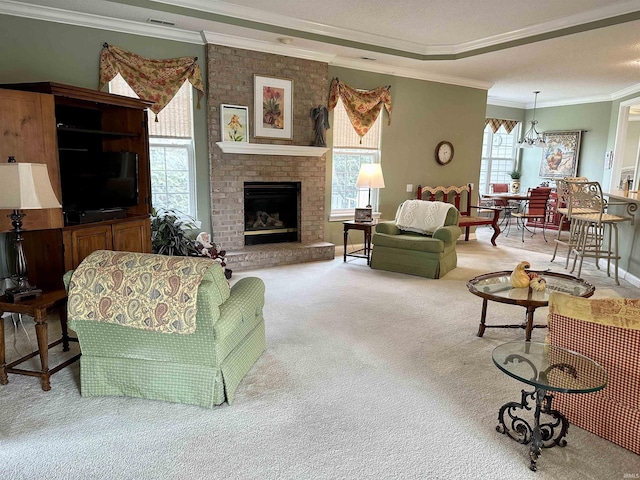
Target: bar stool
(593,228)
(568,205)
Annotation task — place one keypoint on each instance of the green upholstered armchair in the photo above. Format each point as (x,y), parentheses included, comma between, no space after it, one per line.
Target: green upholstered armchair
(430,256)
(201,368)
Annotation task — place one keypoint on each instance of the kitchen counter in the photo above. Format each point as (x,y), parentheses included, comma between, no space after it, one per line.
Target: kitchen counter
(629,233)
(632,196)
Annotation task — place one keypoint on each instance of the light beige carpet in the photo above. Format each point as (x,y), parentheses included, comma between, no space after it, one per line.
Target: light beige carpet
(367,375)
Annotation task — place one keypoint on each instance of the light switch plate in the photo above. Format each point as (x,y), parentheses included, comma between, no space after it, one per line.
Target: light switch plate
(409,187)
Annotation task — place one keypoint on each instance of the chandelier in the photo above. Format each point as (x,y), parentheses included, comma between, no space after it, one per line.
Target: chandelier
(532,138)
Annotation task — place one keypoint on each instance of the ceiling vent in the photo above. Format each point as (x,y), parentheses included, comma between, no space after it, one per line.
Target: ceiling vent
(160,22)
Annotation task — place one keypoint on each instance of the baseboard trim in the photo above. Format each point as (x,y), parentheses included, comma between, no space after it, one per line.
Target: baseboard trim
(622,274)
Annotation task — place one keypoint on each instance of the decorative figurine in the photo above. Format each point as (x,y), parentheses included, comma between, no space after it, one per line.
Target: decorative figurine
(538,284)
(320,116)
(519,278)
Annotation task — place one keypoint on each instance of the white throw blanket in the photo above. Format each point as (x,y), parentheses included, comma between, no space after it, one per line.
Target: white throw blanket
(421,216)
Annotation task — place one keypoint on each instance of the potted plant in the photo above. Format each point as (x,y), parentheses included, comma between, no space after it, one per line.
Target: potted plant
(169,233)
(178,234)
(515,181)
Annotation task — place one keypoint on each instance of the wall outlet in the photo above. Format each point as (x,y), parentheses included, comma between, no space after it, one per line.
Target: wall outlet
(409,187)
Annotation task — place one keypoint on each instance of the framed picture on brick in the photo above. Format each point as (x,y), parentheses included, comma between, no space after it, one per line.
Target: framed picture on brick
(273,106)
(234,123)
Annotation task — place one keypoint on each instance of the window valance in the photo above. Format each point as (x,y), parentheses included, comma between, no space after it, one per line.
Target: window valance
(496,123)
(362,106)
(154,80)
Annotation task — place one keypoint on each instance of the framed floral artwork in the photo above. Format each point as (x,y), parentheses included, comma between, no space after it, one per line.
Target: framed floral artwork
(273,106)
(234,123)
(560,156)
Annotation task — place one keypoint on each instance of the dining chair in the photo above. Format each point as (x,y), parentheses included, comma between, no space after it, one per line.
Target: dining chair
(499,188)
(535,209)
(506,206)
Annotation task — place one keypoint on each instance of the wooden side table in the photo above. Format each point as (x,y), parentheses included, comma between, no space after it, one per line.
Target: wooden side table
(37,308)
(364,252)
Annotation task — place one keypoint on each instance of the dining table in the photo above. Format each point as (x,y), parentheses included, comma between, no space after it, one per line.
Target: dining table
(507,196)
(509,207)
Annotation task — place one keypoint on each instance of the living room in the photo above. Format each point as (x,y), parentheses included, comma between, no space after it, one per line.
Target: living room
(341,391)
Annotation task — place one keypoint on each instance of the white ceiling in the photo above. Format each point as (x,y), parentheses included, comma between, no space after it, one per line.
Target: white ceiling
(407,38)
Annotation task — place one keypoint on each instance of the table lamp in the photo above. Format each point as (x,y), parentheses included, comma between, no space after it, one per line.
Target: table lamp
(24,186)
(370,176)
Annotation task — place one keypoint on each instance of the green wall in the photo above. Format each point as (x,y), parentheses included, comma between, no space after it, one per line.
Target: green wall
(505,113)
(592,118)
(424,113)
(38,51)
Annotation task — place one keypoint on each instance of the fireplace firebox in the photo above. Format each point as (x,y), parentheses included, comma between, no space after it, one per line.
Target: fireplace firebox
(271,212)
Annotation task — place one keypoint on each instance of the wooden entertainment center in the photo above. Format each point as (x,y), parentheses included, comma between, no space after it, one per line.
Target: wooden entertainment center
(43,122)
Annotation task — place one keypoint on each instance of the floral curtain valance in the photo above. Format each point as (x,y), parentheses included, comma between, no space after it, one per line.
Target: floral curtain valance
(362,106)
(496,123)
(154,80)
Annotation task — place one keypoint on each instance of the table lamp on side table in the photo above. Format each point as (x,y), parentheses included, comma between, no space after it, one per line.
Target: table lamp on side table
(370,176)
(24,186)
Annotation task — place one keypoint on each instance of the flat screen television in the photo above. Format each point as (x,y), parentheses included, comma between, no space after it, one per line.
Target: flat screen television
(98,181)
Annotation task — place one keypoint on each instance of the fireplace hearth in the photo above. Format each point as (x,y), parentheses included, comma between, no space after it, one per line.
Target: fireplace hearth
(271,212)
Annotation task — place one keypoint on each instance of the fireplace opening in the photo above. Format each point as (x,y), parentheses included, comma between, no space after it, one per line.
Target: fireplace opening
(271,212)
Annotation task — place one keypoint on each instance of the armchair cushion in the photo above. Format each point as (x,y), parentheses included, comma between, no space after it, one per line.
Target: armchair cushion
(410,241)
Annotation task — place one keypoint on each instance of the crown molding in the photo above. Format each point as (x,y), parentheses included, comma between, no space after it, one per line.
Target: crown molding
(603,13)
(498,102)
(38,12)
(266,47)
(375,67)
(264,17)
(633,89)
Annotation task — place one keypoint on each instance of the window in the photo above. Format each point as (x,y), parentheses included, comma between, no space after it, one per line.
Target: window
(348,155)
(498,157)
(171,150)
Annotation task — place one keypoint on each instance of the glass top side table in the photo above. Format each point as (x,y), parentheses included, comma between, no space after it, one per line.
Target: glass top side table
(546,368)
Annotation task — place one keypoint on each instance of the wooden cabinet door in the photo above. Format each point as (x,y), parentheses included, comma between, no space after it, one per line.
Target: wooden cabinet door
(133,236)
(28,126)
(84,241)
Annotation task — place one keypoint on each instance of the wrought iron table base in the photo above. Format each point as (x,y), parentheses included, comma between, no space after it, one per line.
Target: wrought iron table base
(545,435)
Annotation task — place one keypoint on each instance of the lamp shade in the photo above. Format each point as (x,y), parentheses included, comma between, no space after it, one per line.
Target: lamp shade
(370,176)
(26,186)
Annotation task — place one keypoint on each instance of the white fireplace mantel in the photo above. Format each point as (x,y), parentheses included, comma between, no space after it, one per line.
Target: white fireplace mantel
(271,149)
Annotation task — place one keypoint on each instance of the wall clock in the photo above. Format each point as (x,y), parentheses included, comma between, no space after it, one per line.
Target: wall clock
(444,152)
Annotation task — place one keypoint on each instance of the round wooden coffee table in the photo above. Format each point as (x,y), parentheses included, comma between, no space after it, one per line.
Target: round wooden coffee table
(497,287)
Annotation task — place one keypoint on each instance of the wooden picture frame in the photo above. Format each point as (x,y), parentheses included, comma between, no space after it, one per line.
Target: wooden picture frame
(560,156)
(234,123)
(273,107)
(364,215)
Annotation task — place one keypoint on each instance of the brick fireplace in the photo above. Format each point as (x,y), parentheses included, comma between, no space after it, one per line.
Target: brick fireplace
(230,81)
